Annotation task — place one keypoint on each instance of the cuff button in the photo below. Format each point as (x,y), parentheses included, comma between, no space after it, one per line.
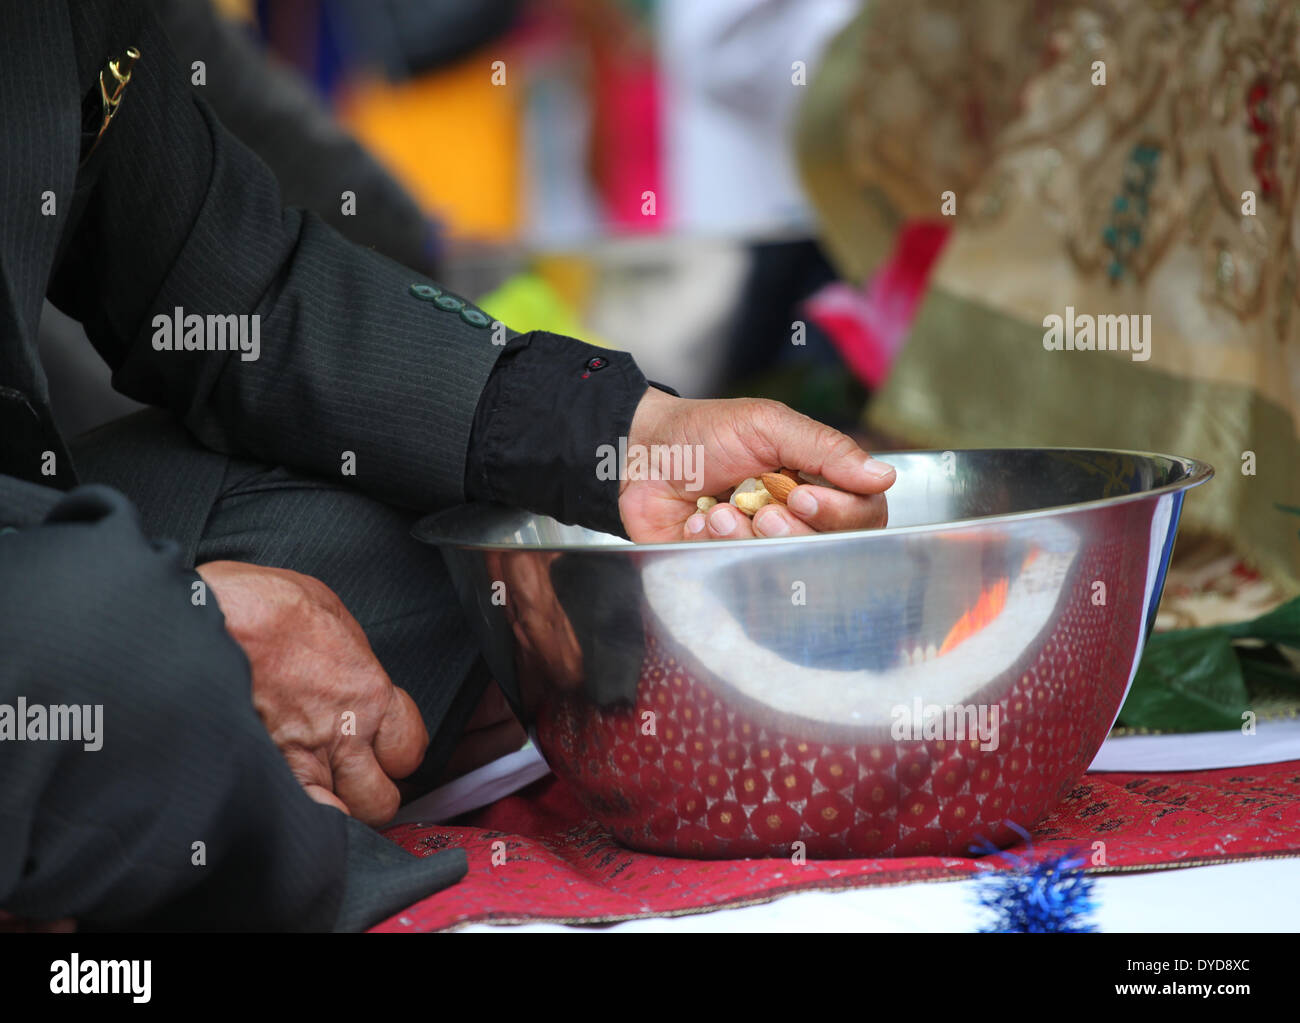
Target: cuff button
(449,302)
(474,317)
(426,292)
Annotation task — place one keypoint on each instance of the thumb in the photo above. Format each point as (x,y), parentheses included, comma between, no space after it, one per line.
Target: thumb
(324,795)
(401,739)
(801,443)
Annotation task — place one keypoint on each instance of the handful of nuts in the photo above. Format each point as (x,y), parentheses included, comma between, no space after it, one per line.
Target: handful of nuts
(753,493)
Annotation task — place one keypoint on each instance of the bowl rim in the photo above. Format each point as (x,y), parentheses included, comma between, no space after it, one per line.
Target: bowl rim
(1198,472)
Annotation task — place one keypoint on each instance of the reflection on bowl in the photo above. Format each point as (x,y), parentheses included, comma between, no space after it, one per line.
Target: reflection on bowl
(905,691)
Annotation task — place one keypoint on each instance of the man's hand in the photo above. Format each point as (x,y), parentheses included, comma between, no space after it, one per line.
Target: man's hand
(342,725)
(742,438)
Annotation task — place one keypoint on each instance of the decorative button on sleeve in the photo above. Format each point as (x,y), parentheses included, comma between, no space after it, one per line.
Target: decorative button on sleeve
(450,303)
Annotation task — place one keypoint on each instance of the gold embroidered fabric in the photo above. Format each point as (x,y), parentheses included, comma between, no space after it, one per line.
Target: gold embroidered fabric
(1116,158)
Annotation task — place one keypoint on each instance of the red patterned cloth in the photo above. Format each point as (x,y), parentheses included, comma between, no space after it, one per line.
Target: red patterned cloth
(537,856)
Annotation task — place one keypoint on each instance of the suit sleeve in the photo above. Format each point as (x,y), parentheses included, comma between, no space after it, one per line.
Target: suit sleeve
(362,366)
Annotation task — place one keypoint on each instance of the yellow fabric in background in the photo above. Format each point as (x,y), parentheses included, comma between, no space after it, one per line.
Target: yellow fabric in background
(529,301)
(236,10)
(572,276)
(452,138)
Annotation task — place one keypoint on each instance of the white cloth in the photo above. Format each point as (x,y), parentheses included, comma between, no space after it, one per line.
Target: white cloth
(729,106)
(1227,898)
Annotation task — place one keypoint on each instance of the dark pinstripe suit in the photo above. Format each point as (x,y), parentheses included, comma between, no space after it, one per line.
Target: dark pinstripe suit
(169,210)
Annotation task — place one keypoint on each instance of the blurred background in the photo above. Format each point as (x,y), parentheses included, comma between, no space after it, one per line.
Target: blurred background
(863,208)
(618,170)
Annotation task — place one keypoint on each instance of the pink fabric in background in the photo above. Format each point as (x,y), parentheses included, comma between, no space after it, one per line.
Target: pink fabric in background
(868,325)
(629,140)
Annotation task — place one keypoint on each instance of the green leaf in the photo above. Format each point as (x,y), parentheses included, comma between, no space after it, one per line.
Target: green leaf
(1187,681)
(1195,680)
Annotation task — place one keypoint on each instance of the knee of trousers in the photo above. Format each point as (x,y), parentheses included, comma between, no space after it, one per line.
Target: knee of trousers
(92,611)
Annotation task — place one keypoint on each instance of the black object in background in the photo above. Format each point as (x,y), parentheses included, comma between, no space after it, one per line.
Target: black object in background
(761,359)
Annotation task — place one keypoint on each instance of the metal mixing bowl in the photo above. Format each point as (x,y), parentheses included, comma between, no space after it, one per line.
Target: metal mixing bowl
(903,691)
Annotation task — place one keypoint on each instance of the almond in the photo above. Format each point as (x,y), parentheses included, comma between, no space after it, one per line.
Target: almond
(778,485)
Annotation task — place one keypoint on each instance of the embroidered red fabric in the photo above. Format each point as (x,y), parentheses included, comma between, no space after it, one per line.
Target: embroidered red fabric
(537,856)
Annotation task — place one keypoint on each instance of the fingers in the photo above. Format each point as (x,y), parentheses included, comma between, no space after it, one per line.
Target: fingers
(401,738)
(805,444)
(809,509)
(721,522)
(363,775)
(313,774)
(364,788)
(325,796)
(776,520)
(827,510)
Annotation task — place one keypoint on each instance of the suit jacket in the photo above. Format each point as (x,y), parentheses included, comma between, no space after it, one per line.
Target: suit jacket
(169,211)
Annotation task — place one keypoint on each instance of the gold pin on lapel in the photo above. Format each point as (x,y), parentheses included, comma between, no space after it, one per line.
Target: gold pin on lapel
(113,79)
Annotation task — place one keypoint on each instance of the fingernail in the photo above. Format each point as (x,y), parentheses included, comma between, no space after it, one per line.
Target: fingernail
(695,524)
(723,521)
(771,524)
(878,469)
(802,502)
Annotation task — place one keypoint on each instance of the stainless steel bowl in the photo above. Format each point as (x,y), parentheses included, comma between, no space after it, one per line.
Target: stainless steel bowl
(903,691)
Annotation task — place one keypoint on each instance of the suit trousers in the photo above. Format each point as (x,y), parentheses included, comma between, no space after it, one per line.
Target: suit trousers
(216,507)
(188,817)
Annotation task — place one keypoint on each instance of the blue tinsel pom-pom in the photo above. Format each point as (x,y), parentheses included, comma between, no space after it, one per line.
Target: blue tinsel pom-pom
(1051,896)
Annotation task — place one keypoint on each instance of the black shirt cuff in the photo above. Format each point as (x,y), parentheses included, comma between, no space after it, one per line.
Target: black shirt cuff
(549,407)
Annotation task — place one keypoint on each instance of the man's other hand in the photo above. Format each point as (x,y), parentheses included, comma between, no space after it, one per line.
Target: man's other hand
(330,707)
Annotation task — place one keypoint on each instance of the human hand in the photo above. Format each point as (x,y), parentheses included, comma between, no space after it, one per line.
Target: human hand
(740,438)
(330,707)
